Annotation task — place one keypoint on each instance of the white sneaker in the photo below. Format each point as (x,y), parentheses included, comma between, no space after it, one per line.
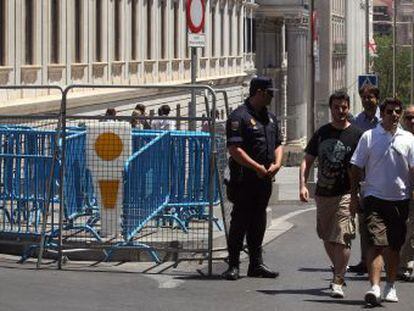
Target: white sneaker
(336,291)
(390,293)
(373,296)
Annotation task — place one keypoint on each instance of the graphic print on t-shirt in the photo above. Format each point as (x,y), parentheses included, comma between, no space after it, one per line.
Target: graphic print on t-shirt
(331,155)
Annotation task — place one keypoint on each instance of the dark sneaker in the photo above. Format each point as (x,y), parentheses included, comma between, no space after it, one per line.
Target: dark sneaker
(261,271)
(360,268)
(231,274)
(407,275)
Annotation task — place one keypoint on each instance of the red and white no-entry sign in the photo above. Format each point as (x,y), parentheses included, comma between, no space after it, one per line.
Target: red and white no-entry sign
(195,15)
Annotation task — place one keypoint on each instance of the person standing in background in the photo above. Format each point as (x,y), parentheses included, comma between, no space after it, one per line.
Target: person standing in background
(365,120)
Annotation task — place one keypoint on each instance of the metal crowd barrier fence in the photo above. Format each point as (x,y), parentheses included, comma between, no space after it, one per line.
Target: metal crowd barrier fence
(169,185)
(26,158)
(146,191)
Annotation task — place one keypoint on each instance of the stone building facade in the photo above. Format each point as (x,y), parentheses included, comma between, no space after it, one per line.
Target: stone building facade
(283,51)
(119,42)
(282,45)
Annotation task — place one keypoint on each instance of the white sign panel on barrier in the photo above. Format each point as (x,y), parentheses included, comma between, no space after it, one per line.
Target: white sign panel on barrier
(109,149)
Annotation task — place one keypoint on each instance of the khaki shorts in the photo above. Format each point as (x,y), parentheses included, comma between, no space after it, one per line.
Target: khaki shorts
(333,219)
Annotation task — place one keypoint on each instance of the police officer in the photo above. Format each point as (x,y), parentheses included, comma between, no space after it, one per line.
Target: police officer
(256,156)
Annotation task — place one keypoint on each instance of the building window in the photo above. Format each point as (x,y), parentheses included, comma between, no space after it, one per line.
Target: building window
(3,30)
(176,27)
(187,48)
(213,31)
(253,35)
(134,29)
(149,29)
(249,35)
(98,30)
(55,30)
(163,29)
(222,32)
(117,30)
(184,25)
(230,39)
(238,32)
(29,32)
(78,31)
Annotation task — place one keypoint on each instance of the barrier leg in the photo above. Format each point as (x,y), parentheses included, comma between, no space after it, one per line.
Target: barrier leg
(133,245)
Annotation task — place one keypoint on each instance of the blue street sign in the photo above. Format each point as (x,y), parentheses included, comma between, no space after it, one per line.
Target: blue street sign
(370,79)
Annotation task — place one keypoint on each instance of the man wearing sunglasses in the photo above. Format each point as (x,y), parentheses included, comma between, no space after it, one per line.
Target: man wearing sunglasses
(365,120)
(385,155)
(407,251)
(255,157)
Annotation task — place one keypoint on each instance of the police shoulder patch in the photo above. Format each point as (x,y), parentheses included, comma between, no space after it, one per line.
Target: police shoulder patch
(235,125)
(253,121)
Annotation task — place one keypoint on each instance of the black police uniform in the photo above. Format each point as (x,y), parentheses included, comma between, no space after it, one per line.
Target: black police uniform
(258,135)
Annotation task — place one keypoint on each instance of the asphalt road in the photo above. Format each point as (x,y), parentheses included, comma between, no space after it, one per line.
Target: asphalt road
(297,254)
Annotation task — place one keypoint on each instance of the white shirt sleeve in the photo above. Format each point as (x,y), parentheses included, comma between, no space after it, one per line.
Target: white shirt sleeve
(410,157)
(156,124)
(360,156)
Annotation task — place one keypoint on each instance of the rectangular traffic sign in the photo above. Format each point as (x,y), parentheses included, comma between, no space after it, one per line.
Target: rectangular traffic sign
(196,40)
(368,79)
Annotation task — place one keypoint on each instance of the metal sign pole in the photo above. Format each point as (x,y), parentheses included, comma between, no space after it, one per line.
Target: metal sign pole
(412,64)
(394,50)
(62,180)
(192,109)
(367,36)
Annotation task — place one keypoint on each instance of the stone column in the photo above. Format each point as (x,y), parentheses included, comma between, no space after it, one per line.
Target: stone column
(297,84)
(283,102)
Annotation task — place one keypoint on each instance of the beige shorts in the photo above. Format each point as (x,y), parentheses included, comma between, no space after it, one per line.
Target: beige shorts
(333,219)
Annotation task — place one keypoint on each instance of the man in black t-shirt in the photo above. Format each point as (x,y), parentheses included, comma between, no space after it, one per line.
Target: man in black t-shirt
(333,145)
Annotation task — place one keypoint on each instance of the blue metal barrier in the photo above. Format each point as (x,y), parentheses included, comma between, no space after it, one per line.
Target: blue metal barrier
(78,194)
(166,179)
(146,191)
(80,198)
(26,157)
(190,177)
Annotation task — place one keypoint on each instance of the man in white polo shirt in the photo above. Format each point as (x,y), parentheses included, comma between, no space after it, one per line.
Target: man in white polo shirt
(386,155)
(407,251)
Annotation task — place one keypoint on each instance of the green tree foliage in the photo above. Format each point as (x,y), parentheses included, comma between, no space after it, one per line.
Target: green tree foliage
(383,67)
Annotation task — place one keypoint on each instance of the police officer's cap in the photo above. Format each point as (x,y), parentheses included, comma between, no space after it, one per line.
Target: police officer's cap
(261,83)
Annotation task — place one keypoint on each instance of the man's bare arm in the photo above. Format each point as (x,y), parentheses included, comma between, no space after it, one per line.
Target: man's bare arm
(305,167)
(355,176)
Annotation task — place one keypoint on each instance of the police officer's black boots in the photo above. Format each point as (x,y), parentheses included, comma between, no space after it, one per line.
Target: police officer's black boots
(233,272)
(258,269)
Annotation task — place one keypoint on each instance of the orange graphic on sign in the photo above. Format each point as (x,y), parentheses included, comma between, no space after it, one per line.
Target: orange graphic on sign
(109,192)
(108,146)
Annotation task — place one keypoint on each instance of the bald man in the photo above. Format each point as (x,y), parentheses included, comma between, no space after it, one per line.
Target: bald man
(407,252)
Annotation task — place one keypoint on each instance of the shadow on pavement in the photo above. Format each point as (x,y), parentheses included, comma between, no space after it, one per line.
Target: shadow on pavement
(339,302)
(198,277)
(309,291)
(305,269)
